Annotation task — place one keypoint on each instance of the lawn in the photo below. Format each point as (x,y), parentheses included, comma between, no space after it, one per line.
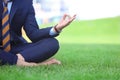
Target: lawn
(90,50)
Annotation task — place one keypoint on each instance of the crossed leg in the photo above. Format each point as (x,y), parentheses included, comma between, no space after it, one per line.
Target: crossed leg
(21,62)
(38,53)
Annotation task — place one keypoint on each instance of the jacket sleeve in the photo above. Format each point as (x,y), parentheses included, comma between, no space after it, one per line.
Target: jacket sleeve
(31,27)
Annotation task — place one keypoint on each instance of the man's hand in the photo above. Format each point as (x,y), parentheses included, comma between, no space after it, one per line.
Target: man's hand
(65,21)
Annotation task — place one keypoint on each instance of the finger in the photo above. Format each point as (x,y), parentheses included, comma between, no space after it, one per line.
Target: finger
(70,20)
(71,17)
(64,17)
(74,16)
(68,16)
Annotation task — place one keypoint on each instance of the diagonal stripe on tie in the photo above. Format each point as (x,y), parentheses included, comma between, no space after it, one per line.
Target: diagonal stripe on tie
(5,19)
(6,46)
(6,39)
(5,30)
(5,11)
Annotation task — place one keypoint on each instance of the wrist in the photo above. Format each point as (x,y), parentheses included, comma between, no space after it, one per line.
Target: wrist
(56,29)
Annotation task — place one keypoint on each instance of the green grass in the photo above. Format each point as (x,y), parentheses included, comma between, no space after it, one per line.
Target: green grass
(97,31)
(90,50)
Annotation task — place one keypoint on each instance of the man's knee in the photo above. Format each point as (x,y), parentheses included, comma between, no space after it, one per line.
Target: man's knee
(54,44)
(51,44)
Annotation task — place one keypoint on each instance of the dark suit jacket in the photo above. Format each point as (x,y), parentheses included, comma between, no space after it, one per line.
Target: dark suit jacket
(22,15)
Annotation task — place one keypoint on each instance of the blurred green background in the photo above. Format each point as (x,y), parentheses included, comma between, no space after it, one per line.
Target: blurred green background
(100,31)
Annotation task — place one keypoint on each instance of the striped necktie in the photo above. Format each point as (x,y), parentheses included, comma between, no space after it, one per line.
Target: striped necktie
(5,29)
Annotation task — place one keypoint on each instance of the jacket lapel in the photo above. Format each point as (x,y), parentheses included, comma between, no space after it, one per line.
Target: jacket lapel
(13,9)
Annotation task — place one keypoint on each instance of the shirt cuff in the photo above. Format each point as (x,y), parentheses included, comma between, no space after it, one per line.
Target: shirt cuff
(53,32)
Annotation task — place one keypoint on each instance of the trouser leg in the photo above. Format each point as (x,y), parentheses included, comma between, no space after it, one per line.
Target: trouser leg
(39,51)
(7,58)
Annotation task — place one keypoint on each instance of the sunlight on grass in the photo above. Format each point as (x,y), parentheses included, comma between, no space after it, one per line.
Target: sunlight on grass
(98,31)
(89,50)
